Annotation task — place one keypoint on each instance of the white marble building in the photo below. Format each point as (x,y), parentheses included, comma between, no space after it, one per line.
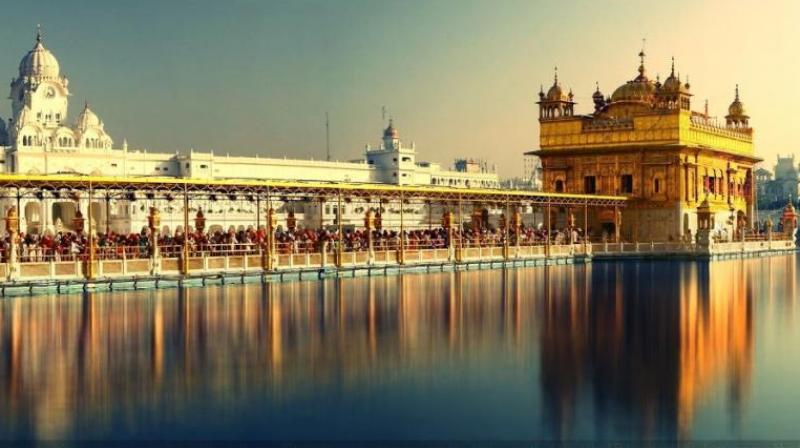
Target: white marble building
(40,139)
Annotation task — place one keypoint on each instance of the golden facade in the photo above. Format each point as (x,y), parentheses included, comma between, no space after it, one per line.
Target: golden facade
(645,142)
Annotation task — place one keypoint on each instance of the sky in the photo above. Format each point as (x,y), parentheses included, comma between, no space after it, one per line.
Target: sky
(459,77)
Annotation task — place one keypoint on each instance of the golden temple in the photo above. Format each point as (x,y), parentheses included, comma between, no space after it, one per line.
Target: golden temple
(646,143)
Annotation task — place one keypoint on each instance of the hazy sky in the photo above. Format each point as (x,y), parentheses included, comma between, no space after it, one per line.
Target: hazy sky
(459,77)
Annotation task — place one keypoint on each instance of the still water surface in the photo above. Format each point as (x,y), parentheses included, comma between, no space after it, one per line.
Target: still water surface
(612,351)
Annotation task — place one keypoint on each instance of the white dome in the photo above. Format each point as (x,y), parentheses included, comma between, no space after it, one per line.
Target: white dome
(87,119)
(39,62)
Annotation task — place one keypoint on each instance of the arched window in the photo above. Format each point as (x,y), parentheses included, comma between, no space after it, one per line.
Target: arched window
(559,186)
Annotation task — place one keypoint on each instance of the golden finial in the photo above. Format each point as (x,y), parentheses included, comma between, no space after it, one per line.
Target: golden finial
(38,32)
(672,73)
(737,92)
(555,76)
(641,59)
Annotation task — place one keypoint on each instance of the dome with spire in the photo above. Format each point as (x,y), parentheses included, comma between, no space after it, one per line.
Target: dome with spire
(640,89)
(87,119)
(391,131)
(39,62)
(736,109)
(556,93)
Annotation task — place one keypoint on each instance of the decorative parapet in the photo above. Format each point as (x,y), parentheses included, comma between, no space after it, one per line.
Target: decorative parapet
(737,133)
(612,124)
(739,141)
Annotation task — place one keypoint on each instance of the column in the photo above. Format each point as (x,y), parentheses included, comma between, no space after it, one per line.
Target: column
(547,228)
(585,228)
(401,254)
(90,244)
(154,223)
(185,251)
(340,231)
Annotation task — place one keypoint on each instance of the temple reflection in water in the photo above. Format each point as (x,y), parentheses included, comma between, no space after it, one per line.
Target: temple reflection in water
(632,345)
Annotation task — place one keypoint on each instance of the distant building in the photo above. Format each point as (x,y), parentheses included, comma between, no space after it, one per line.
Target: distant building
(763,176)
(531,178)
(532,170)
(775,191)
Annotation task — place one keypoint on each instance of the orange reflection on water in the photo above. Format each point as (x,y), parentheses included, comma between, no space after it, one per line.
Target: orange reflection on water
(639,343)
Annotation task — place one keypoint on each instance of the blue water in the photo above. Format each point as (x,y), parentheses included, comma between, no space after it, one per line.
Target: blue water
(609,351)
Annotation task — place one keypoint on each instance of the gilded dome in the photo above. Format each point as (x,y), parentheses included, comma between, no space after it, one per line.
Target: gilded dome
(736,109)
(556,93)
(673,83)
(640,89)
(39,62)
(391,131)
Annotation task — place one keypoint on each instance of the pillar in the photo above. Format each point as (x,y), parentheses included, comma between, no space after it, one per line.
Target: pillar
(547,235)
(401,253)
(90,240)
(340,231)
(154,223)
(447,224)
(268,254)
(504,220)
(369,225)
(517,223)
(185,251)
(12,227)
(586,228)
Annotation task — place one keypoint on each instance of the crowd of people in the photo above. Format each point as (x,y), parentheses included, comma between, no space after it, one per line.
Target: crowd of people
(69,246)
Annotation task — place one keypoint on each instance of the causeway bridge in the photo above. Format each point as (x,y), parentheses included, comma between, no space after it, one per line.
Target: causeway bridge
(478,228)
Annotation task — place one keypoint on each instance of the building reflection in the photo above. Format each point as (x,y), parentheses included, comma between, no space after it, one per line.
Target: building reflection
(165,350)
(618,340)
(644,344)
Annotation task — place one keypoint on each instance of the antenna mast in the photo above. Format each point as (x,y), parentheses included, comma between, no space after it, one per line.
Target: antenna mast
(327,137)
